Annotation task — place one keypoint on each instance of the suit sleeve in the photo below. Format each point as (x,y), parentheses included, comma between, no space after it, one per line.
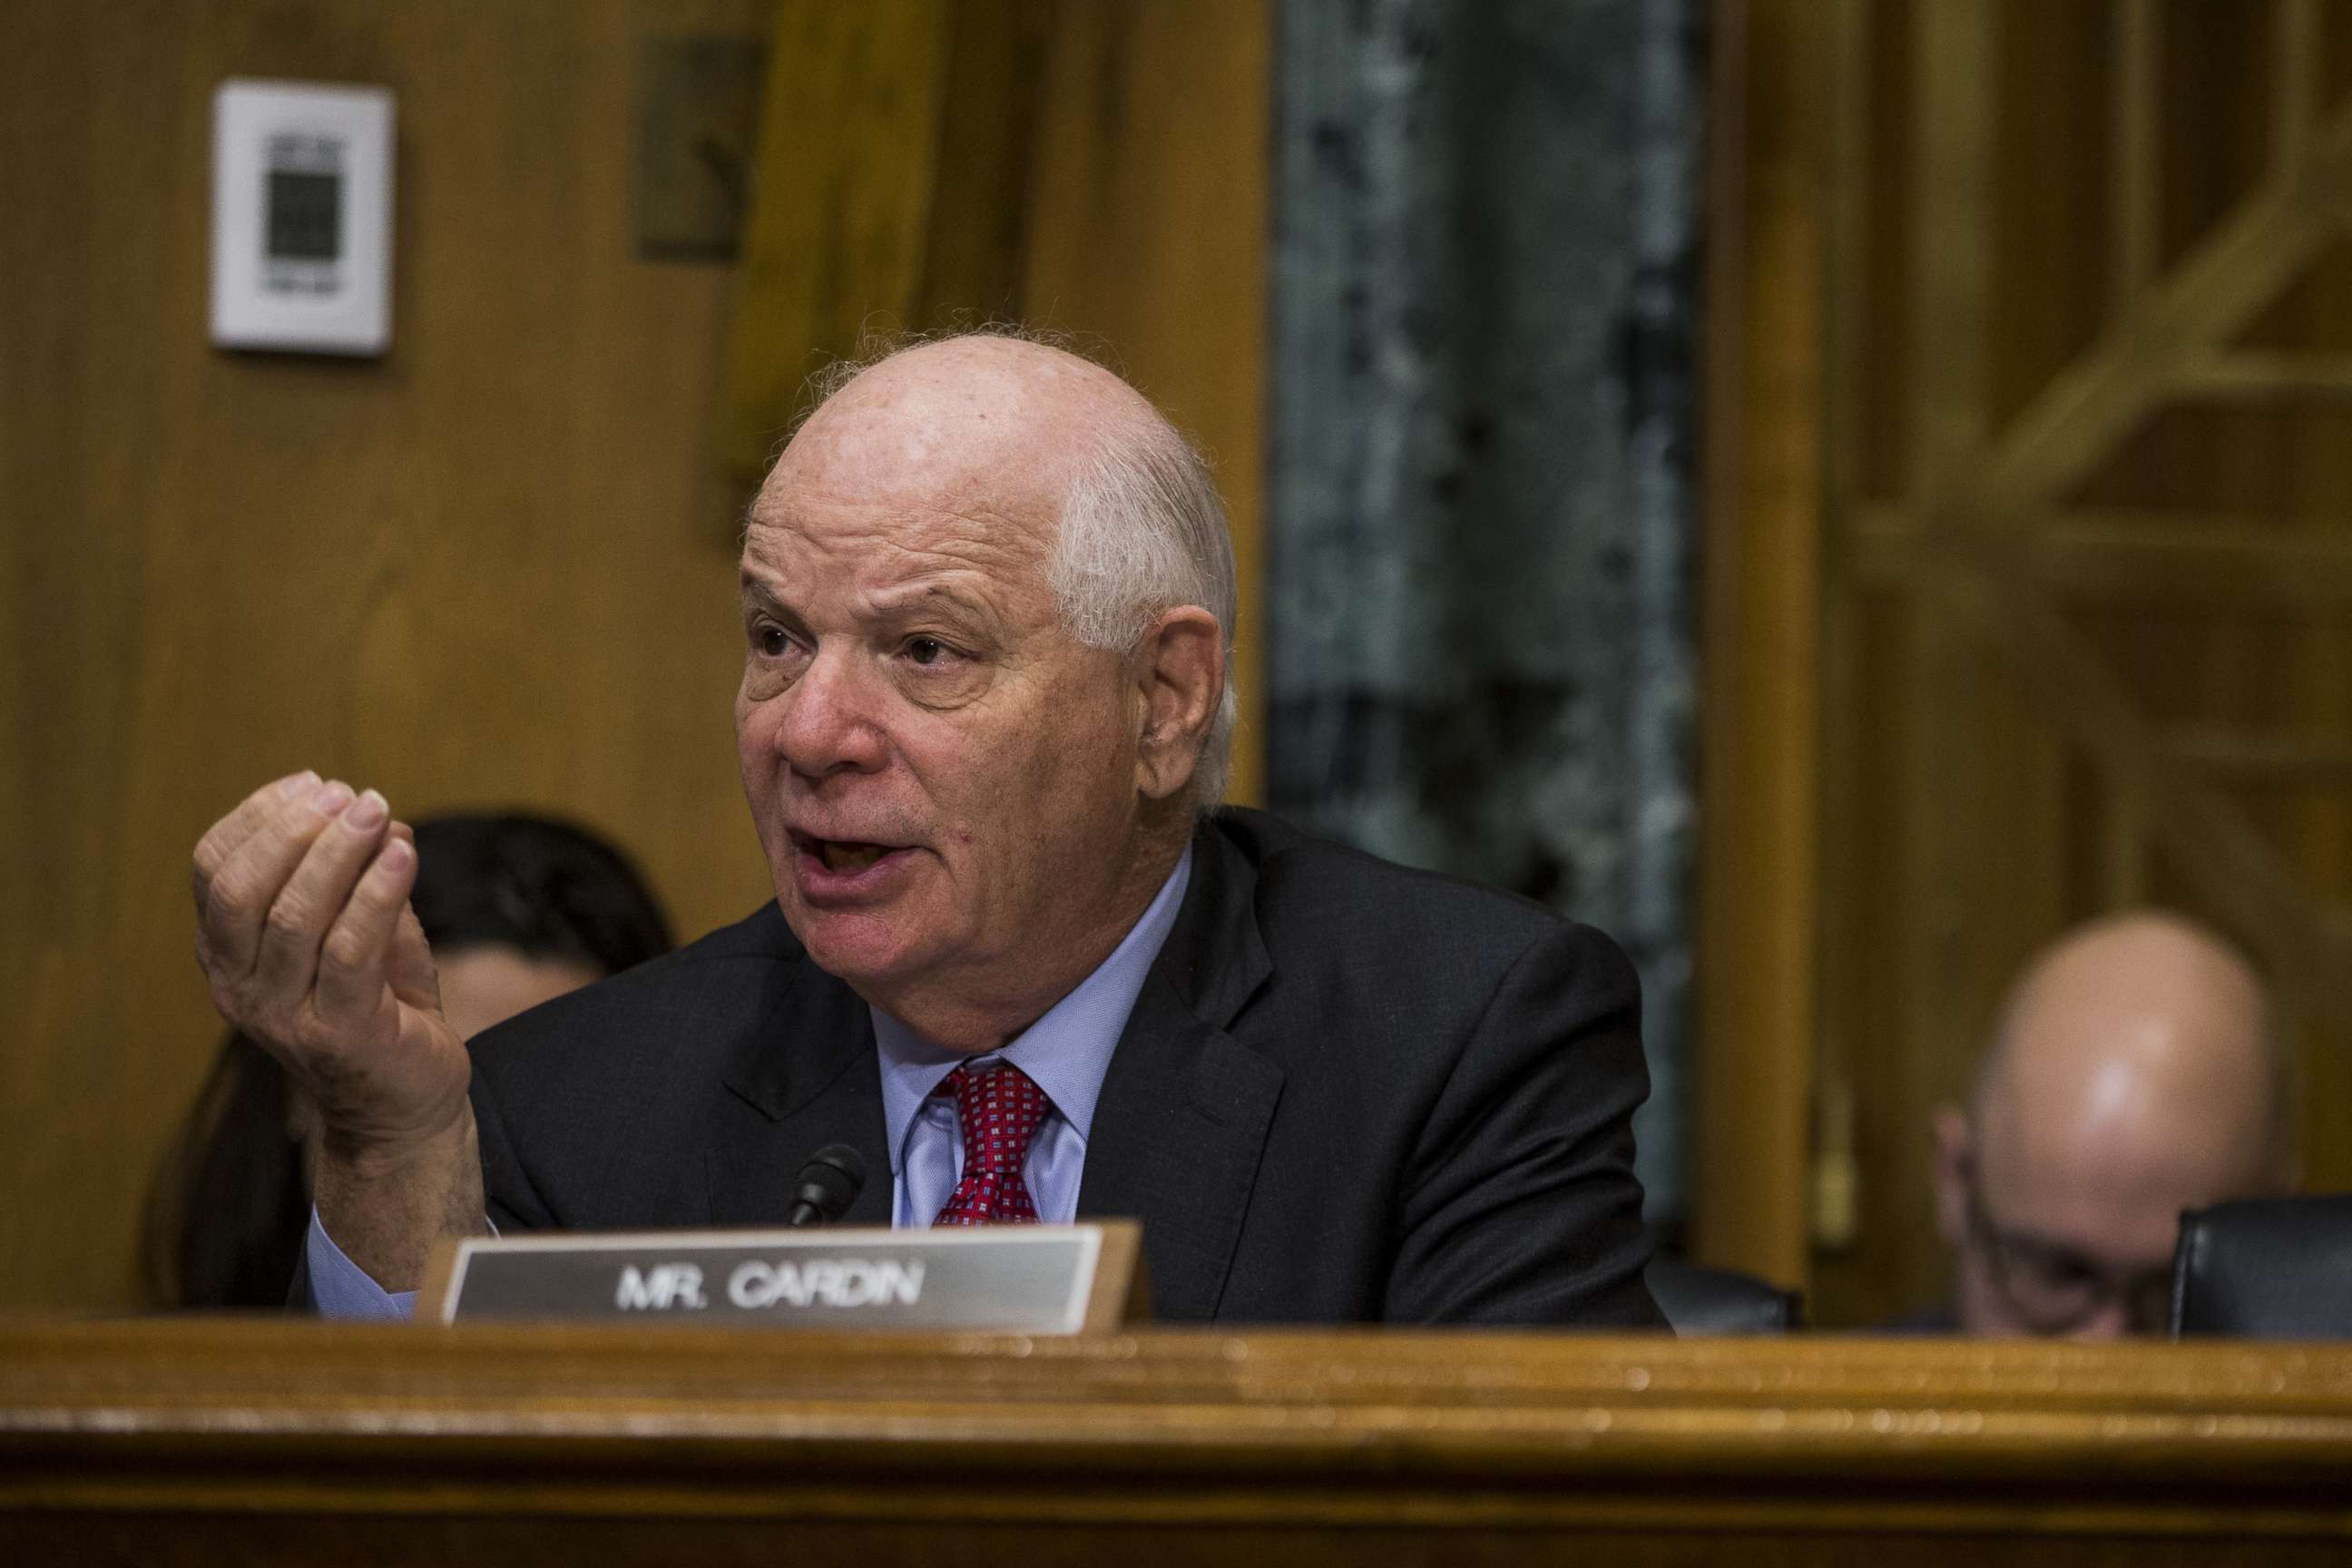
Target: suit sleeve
(1521,1205)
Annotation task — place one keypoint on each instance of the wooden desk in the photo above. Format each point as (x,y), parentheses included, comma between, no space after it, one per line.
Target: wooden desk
(161,1441)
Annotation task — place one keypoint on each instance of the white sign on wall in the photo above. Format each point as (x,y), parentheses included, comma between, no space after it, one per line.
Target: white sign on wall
(303,217)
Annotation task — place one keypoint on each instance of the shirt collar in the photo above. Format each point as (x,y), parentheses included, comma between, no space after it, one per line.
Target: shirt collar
(1064,1053)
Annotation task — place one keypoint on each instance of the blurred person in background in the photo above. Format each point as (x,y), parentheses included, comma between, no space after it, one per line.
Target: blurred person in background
(2135,1073)
(517,910)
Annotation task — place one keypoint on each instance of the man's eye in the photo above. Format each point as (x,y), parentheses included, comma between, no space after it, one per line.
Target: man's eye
(926,650)
(770,641)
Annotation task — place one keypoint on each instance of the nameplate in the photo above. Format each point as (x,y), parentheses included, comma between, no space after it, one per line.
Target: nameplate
(1025,1279)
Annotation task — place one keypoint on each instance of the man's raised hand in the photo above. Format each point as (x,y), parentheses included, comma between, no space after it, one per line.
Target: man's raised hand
(305,935)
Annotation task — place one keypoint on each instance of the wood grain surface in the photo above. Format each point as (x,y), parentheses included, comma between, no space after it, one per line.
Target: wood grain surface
(493,568)
(1762,835)
(1180,1445)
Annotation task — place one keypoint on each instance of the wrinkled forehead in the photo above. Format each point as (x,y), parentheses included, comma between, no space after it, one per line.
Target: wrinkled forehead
(876,515)
(809,550)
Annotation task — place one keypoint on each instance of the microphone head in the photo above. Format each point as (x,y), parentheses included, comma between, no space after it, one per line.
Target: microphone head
(829,1182)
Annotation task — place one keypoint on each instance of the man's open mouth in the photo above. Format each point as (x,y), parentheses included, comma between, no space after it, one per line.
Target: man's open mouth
(843,855)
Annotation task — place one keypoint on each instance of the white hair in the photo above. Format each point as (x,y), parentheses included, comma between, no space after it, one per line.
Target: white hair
(1143,530)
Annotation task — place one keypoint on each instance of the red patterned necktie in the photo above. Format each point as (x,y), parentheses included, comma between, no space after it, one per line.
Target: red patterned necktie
(1000,1111)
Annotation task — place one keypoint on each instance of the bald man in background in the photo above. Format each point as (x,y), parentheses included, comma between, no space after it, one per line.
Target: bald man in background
(2135,1073)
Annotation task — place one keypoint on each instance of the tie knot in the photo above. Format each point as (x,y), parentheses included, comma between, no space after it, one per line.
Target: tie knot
(1000,1109)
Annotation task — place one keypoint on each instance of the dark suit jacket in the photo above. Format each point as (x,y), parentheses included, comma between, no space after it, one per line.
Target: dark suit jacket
(1348,1093)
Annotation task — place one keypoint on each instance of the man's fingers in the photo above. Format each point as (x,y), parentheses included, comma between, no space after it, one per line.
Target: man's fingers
(227,836)
(362,947)
(415,978)
(242,892)
(314,896)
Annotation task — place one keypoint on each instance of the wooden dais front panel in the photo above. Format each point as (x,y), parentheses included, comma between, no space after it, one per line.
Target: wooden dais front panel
(169,1442)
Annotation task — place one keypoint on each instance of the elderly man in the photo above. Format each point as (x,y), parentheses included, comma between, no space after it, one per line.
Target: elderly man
(2135,1075)
(987,594)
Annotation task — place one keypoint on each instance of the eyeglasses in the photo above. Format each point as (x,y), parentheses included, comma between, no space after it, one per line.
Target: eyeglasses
(2054,1290)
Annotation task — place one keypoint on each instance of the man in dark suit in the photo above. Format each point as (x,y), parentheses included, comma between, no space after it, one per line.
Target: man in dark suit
(1016,956)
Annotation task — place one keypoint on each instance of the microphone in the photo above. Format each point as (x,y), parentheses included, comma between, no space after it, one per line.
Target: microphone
(827,1186)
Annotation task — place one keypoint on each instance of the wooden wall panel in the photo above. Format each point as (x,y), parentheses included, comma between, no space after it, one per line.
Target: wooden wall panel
(1148,229)
(1764,487)
(494,567)
(2086,602)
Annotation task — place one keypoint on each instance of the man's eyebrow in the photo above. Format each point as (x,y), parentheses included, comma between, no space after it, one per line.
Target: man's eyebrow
(906,597)
(886,603)
(758,593)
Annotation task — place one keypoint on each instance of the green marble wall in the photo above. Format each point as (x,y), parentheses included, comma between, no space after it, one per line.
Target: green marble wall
(1480,531)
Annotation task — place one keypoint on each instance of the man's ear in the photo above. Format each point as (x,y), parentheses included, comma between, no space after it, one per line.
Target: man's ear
(1955,1173)
(1179,677)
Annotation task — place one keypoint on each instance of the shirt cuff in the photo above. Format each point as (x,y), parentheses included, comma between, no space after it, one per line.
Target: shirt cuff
(341,1288)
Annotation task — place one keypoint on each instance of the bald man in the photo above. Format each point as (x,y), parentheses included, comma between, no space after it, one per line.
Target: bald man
(1016,956)
(2135,1074)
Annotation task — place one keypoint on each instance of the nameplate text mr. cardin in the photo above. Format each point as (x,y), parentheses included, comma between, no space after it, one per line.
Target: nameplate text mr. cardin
(758,1285)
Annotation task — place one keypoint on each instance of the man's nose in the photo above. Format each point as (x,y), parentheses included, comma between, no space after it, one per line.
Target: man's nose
(832,717)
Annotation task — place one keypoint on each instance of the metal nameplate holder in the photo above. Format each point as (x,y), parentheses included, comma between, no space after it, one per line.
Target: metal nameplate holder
(1012,1278)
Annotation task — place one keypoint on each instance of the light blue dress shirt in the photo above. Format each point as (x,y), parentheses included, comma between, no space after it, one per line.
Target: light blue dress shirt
(1064,1053)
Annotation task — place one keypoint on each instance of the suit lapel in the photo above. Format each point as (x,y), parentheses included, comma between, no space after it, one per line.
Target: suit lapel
(1182,1120)
(805,1077)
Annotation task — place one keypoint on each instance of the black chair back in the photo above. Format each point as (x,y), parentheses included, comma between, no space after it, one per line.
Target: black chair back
(2265,1269)
(1701,1302)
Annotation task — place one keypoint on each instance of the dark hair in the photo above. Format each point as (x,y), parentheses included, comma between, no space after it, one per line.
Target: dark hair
(231,1200)
(543,887)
